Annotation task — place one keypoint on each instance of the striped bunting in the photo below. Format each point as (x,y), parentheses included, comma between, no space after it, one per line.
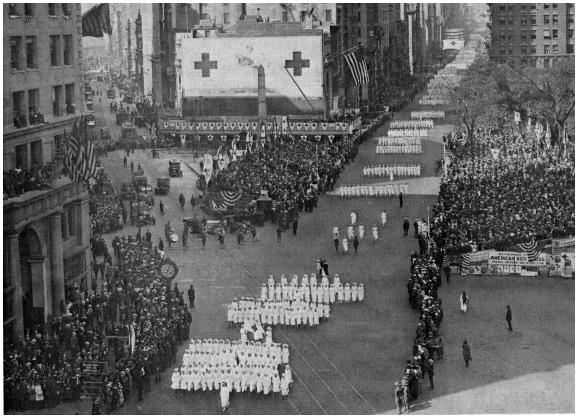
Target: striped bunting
(230,198)
(358,69)
(96,22)
(465,264)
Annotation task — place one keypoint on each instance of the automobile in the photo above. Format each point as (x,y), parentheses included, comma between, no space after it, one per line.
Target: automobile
(163,186)
(111,94)
(140,121)
(201,182)
(175,169)
(99,79)
(105,134)
(146,199)
(140,215)
(128,129)
(128,98)
(141,184)
(121,117)
(89,105)
(127,191)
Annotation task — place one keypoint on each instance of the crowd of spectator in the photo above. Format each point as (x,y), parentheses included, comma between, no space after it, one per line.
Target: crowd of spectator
(19,181)
(294,172)
(502,188)
(105,208)
(46,369)
(422,289)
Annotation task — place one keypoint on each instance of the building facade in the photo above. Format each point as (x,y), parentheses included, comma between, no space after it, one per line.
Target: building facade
(45,231)
(531,33)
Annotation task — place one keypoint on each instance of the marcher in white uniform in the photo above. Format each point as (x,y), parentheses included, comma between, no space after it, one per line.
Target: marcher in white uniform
(345,245)
(375,233)
(354,292)
(360,292)
(383,218)
(350,233)
(353,217)
(224,396)
(361,229)
(176,380)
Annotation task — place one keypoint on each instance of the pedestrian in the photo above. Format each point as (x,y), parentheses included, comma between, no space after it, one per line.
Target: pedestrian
(405,227)
(355,243)
(416,227)
(191,293)
(203,238)
(467,353)
(464,300)
(400,199)
(509,318)
(221,238)
(448,272)
(254,233)
(132,166)
(279,232)
(398,396)
(193,201)
(185,237)
(430,372)
(336,242)
(182,201)
(125,161)
(240,237)
(295,225)
(162,207)
(149,236)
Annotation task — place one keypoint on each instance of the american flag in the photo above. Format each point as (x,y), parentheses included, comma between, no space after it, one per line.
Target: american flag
(358,69)
(532,249)
(465,264)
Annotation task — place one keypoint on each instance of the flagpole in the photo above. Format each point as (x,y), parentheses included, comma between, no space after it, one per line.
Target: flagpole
(428,230)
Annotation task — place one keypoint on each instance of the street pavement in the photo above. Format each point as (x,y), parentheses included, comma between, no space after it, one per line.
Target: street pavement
(348,365)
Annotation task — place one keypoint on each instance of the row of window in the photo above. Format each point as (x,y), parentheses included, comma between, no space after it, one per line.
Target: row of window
(525,6)
(548,19)
(29,9)
(27,112)
(547,34)
(548,49)
(61,51)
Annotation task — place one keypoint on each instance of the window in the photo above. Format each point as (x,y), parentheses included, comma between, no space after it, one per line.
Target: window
(533,34)
(13,9)
(36,154)
(546,19)
(523,20)
(510,49)
(510,19)
(66,9)
(524,49)
(70,105)
(533,49)
(328,16)
(56,100)
(546,33)
(554,5)
(570,19)
(303,15)
(502,20)
(28,9)
(51,9)
(55,50)
(285,16)
(502,49)
(510,6)
(524,35)
(569,49)
(554,19)
(570,33)
(523,6)
(68,49)
(546,49)
(31,53)
(225,18)
(554,49)
(546,6)
(524,61)
(16,53)
(18,109)
(502,6)
(502,35)
(510,35)
(533,19)
(33,104)
(533,6)
(204,16)
(554,33)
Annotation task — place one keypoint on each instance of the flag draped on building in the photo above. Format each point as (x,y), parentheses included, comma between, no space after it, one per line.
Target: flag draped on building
(79,153)
(96,22)
(358,69)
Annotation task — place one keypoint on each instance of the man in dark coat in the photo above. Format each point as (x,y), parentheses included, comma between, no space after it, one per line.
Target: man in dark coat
(405,227)
(400,199)
(467,353)
(191,293)
(509,318)
(416,227)
(295,225)
(430,372)
(182,201)
(355,243)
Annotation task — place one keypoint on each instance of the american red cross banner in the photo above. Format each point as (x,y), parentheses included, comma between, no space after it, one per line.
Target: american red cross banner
(225,67)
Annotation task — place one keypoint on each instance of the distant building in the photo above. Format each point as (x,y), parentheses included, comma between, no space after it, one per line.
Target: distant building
(46,242)
(531,33)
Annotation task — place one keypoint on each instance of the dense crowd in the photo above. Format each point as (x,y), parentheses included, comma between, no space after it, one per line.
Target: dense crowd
(105,208)
(292,171)
(19,181)
(422,289)
(502,189)
(45,370)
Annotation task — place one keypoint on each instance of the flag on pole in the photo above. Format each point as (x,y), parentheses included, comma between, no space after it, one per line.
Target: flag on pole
(90,165)
(548,137)
(96,22)
(358,69)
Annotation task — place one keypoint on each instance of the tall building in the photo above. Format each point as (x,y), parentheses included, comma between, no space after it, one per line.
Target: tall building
(531,33)
(45,231)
